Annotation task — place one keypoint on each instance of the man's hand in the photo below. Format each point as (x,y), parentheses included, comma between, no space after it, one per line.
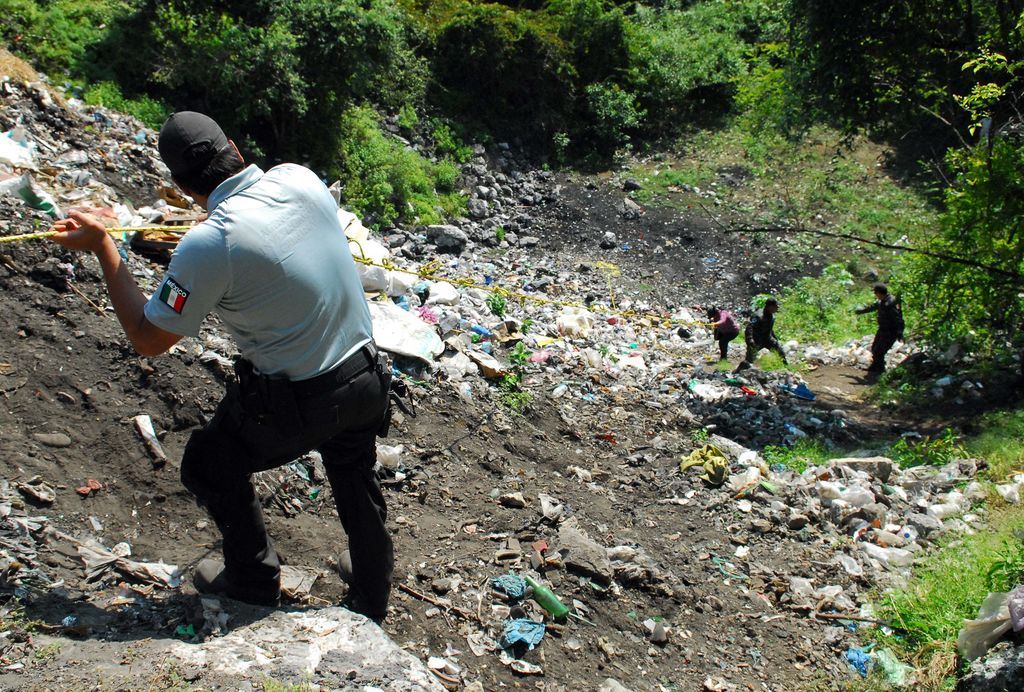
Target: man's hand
(80,231)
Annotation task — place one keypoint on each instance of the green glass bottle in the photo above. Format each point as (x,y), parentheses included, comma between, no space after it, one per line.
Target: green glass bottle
(547,600)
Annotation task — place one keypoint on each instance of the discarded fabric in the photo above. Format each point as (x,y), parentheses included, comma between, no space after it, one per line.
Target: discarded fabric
(521,630)
(512,585)
(712,460)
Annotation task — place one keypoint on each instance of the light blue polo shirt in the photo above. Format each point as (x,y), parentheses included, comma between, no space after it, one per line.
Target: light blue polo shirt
(273,262)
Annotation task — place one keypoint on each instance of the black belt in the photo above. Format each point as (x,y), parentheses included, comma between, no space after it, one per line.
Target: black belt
(360,361)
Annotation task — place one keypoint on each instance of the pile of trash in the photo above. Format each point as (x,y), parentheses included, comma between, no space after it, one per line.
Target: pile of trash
(57,153)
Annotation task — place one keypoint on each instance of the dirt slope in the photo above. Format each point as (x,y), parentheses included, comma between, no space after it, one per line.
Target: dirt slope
(72,387)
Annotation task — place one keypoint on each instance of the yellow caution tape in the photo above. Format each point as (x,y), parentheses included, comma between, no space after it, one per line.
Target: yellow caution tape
(429,271)
(112,231)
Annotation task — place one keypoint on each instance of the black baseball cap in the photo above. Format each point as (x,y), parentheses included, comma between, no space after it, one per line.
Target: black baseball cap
(189,140)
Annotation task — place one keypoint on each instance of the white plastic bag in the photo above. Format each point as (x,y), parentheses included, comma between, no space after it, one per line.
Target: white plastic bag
(573,321)
(979,635)
(34,196)
(16,150)
(442,293)
(398,331)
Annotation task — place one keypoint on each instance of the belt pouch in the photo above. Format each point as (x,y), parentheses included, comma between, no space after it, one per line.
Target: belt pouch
(248,389)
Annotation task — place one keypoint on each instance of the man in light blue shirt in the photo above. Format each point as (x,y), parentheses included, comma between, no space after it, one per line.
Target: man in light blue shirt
(272,260)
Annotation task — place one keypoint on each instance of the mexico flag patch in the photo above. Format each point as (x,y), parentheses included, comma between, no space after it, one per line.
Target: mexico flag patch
(173,295)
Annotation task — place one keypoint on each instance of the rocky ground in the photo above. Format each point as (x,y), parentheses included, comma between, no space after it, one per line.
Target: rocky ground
(674,582)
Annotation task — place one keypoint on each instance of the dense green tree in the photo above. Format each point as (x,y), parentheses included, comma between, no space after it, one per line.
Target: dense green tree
(890,64)
(970,286)
(281,72)
(507,70)
(978,303)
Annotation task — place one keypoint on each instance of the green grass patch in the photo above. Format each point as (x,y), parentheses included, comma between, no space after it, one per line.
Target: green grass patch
(821,181)
(770,361)
(1000,443)
(803,453)
(722,366)
(949,584)
(669,185)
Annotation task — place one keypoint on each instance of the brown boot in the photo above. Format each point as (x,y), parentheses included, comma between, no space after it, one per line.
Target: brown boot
(211,578)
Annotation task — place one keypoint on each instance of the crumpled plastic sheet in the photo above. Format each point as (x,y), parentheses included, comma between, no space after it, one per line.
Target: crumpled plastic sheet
(512,585)
(1016,605)
(100,562)
(979,635)
(859,659)
(801,391)
(896,672)
(521,630)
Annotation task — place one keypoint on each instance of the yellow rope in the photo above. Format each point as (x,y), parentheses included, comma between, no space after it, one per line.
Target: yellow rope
(129,229)
(429,271)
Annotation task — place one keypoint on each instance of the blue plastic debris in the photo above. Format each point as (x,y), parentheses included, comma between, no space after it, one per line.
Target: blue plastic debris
(511,585)
(521,630)
(801,391)
(859,659)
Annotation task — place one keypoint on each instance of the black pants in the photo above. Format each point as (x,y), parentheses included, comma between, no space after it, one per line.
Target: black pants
(879,347)
(754,348)
(723,339)
(342,425)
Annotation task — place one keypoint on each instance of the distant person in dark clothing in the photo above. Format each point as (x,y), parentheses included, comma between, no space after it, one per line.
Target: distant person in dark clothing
(760,333)
(890,326)
(725,329)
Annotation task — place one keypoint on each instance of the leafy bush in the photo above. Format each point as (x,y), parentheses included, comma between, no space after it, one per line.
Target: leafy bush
(765,98)
(385,182)
(407,117)
(496,303)
(513,396)
(613,115)
(447,143)
(927,451)
(56,35)
(683,63)
(107,94)
(276,73)
(503,69)
(981,307)
(821,308)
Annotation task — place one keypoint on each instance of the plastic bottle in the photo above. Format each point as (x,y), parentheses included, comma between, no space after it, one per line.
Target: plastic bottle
(908,533)
(858,497)
(547,600)
(889,557)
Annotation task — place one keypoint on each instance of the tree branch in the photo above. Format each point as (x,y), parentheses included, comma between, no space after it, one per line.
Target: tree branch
(1011,276)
